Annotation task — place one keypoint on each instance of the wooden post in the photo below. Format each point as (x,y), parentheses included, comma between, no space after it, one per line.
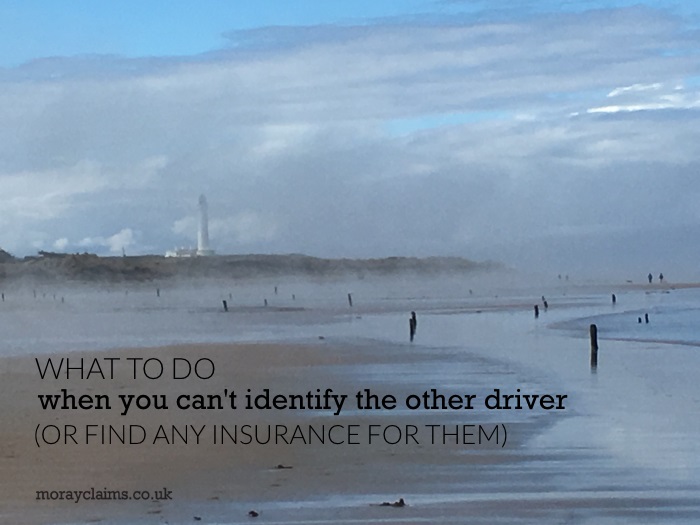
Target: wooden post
(350,299)
(537,311)
(225,306)
(594,345)
(157,292)
(265,302)
(646,318)
(614,299)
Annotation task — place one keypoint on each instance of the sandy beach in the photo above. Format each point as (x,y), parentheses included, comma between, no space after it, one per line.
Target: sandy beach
(204,477)
(200,475)
(621,450)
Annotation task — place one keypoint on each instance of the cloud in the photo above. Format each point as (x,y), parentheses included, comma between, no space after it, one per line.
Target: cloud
(246,227)
(650,97)
(186,226)
(635,88)
(116,243)
(60,244)
(121,240)
(499,138)
(45,194)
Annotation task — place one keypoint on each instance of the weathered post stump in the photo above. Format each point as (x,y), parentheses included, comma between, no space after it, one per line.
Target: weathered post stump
(593,331)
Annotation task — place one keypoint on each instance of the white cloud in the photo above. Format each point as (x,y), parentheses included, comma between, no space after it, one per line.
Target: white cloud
(60,244)
(652,97)
(635,88)
(290,142)
(116,243)
(45,194)
(121,240)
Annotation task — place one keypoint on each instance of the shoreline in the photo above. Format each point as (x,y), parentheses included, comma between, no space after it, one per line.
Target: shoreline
(554,466)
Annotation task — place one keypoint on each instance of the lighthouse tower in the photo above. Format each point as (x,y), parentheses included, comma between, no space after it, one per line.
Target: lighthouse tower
(203,235)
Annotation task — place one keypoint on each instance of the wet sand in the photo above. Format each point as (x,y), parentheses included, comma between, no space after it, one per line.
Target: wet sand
(595,462)
(218,482)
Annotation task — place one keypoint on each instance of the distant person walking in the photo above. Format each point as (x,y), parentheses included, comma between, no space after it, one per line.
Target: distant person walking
(661,277)
(650,277)
(412,326)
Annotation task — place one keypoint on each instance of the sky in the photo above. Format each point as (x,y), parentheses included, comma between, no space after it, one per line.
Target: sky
(551,136)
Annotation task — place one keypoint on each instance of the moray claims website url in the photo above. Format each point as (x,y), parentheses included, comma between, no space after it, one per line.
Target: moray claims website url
(105,494)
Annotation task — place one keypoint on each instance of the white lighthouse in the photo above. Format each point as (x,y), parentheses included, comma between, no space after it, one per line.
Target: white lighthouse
(203,235)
